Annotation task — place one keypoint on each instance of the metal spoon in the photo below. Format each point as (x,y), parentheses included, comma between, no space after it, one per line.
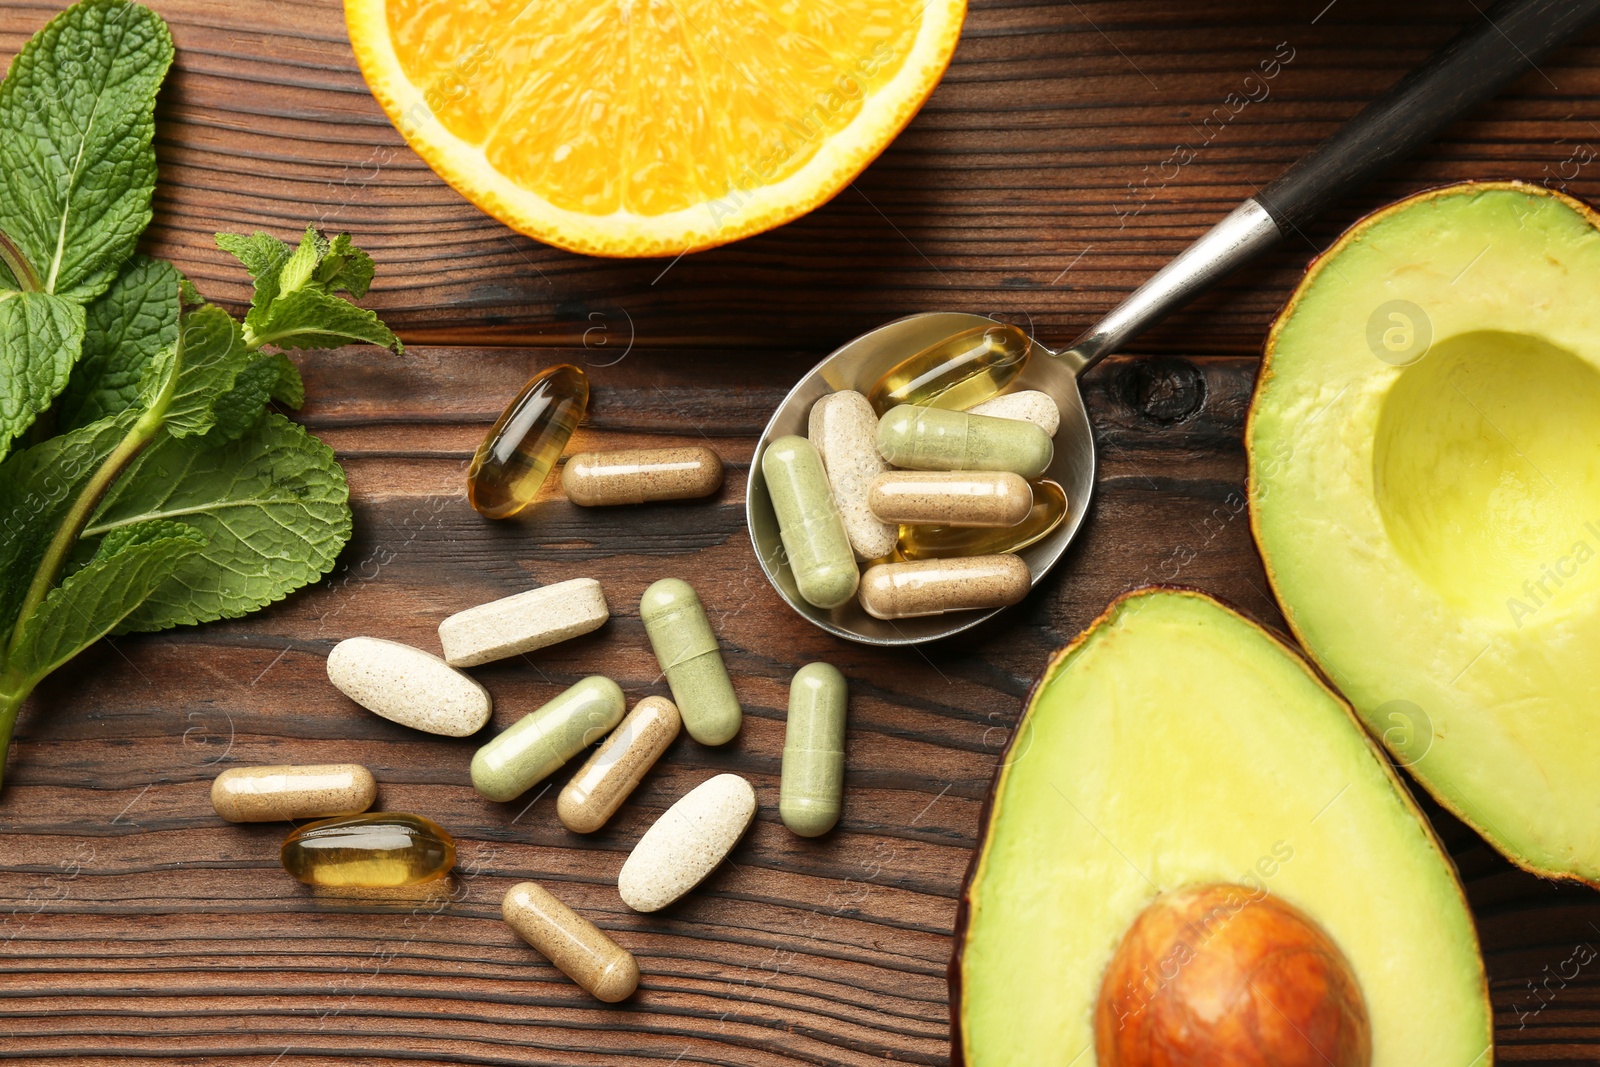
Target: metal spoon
(1468,70)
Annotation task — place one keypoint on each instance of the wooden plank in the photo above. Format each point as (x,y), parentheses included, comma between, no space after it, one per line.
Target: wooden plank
(1071,150)
(134,921)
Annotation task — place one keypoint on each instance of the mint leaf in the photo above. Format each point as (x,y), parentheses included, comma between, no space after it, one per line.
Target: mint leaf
(273,505)
(191,377)
(345,268)
(77,169)
(295,305)
(314,318)
(37,487)
(130,565)
(40,338)
(127,326)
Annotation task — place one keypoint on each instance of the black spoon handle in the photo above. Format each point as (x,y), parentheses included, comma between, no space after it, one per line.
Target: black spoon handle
(1506,41)
(1503,44)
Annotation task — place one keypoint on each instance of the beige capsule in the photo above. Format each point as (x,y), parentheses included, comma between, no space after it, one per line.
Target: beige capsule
(935,586)
(640,475)
(1029,405)
(951,498)
(280,792)
(844,430)
(579,949)
(601,785)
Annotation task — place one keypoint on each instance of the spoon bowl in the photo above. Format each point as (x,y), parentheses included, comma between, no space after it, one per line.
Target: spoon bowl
(858,365)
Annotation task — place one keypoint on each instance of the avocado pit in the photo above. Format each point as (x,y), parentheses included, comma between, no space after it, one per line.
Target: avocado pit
(1225,974)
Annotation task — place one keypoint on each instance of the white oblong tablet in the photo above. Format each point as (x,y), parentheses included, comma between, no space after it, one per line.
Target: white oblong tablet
(408,686)
(523,622)
(1029,405)
(687,843)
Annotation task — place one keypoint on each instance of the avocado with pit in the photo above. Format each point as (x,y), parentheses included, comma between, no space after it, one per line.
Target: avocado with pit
(1424,451)
(1193,854)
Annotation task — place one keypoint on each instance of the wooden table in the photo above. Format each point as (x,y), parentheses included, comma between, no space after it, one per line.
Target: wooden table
(1038,184)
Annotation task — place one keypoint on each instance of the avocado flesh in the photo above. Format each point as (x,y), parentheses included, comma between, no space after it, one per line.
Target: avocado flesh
(1173,744)
(1431,529)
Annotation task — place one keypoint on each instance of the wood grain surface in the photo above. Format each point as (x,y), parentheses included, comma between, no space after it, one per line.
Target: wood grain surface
(1039,184)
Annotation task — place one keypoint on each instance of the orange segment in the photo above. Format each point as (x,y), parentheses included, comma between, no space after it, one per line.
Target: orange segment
(651,127)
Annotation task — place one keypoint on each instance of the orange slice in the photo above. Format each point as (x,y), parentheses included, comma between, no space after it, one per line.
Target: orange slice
(650,127)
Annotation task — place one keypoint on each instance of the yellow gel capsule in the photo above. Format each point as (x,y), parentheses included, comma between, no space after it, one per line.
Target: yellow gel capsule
(525,442)
(942,542)
(377,850)
(958,372)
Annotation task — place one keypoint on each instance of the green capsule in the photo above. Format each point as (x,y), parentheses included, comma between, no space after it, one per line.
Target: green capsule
(540,742)
(934,439)
(812,788)
(691,659)
(814,538)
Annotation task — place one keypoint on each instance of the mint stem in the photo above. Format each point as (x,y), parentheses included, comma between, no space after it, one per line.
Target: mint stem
(13,692)
(19,266)
(72,524)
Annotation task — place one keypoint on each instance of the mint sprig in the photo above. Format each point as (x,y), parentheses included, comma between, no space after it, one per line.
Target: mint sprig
(171,494)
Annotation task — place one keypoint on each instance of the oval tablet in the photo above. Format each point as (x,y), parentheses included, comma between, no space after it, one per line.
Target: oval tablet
(687,843)
(539,743)
(408,686)
(934,439)
(578,948)
(812,787)
(844,430)
(1030,405)
(690,657)
(313,791)
(617,766)
(641,475)
(935,586)
(523,622)
(951,498)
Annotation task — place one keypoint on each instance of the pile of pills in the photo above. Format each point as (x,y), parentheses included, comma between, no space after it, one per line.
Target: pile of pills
(933,501)
(351,846)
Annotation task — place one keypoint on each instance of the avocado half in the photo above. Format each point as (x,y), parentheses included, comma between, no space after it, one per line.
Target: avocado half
(1175,745)
(1424,451)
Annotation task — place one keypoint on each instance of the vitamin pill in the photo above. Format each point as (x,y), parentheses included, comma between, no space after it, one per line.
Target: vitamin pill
(953,498)
(640,475)
(844,430)
(1029,405)
(270,794)
(691,659)
(525,442)
(934,439)
(814,539)
(577,947)
(524,622)
(812,786)
(539,743)
(935,542)
(408,686)
(687,843)
(377,850)
(935,586)
(617,766)
(962,370)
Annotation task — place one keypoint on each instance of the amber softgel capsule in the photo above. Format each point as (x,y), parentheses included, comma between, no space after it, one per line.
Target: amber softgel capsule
(378,850)
(958,372)
(526,441)
(939,542)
